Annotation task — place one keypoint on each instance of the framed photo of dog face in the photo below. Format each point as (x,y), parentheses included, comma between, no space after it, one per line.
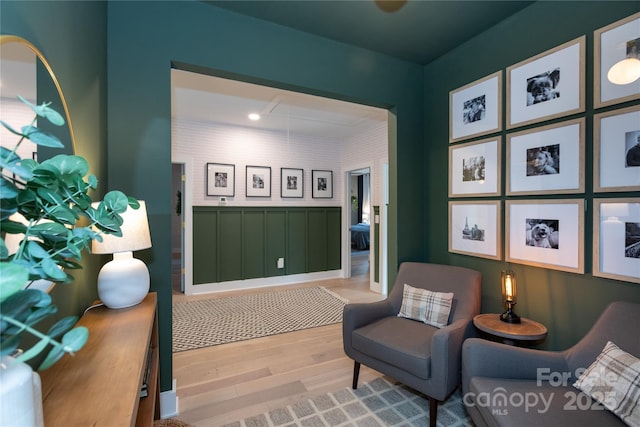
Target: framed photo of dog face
(616,239)
(547,86)
(291,182)
(616,145)
(476,109)
(475,228)
(547,160)
(321,184)
(545,233)
(258,181)
(221,179)
(612,44)
(474,168)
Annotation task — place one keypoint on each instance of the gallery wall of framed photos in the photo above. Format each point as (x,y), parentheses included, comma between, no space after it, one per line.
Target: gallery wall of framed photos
(526,161)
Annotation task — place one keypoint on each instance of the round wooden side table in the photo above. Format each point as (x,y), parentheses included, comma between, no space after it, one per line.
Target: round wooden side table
(525,333)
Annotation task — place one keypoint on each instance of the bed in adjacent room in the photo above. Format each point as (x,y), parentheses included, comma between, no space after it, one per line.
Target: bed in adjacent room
(360,236)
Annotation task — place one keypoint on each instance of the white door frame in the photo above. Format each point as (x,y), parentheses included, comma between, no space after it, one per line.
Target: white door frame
(187,209)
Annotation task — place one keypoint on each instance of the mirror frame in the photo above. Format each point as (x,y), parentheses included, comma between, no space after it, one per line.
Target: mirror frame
(8,38)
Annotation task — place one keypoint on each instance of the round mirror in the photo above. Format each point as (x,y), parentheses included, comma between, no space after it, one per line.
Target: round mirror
(25,71)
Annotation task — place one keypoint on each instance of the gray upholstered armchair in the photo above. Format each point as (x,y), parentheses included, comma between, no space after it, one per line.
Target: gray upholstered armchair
(513,386)
(421,356)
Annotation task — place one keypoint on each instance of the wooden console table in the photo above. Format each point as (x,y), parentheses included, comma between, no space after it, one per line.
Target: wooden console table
(100,385)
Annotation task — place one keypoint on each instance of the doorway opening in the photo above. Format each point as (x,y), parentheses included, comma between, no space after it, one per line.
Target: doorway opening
(360,221)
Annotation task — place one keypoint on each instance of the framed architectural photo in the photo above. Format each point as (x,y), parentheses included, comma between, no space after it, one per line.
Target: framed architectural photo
(476,109)
(547,86)
(221,179)
(321,184)
(616,239)
(547,160)
(474,168)
(258,181)
(612,44)
(291,183)
(475,228)
(545,233)
(616,146)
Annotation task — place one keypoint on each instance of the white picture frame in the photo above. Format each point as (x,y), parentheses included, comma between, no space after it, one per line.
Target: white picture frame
(476,109)
(221,179)
(612,43)
(475,168)
(616,239)
(545,233)
(475,228)
(322,184)
(616,135)
(548,85)
(546,160)
(258,181)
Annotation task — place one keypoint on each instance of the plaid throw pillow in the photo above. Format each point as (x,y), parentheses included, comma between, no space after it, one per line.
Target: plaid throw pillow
(426,306)
(614,380)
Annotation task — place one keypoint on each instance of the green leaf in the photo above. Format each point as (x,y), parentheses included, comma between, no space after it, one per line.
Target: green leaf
(52,270)
(41,313)
(54,355)
(42,138)
(116,201)
(9,345)
(10,129)
(62,326)
(75,339)
(36,250)
(7,189)
(35,350)
(13,277)
(43,110)
(68,165)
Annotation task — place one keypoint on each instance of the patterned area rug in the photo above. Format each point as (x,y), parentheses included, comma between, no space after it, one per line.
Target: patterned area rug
(204,323)
(375,404)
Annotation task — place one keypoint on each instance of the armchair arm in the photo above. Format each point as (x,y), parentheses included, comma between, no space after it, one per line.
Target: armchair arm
(490,359)
(446,348)
(356,315)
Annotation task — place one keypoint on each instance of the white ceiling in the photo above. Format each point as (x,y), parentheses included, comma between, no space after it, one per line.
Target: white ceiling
(217,100)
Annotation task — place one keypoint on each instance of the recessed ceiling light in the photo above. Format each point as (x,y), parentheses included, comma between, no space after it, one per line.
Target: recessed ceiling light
(254,116)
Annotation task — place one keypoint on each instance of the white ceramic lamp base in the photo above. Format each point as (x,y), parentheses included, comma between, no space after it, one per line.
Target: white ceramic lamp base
(123,282)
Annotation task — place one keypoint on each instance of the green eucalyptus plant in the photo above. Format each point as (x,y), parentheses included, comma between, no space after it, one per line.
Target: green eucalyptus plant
(58,223)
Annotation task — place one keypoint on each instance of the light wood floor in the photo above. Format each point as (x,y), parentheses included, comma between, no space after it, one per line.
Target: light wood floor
(220,384)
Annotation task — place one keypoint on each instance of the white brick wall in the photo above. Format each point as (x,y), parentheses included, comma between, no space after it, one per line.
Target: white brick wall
(206,142)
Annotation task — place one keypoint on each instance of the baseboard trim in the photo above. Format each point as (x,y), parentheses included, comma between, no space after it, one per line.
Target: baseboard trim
(169,402)
(235,285)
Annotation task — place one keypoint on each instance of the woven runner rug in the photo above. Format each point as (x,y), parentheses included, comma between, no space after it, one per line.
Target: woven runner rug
(204,323)
(375,404)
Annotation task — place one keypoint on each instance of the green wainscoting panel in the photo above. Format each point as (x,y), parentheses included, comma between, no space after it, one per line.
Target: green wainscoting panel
(297,248)
(229,261)
(253,244)
(276,242)
(204,249)
(246,242)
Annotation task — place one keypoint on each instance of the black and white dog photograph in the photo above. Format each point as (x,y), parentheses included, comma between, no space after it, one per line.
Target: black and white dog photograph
(543,233)
(473,233)
(474,110)
(473,169)
(543,160)
(632,240)
(543,87)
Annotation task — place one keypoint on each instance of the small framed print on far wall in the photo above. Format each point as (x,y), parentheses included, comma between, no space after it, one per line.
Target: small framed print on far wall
(321,184)
(258,181)
(616,239)
(291,182)
(221,179)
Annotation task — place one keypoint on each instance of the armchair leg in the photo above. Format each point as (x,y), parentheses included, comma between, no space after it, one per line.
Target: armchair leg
(356,374)
(433,411)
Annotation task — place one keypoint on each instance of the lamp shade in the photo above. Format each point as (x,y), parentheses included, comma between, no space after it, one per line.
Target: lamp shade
(135,233)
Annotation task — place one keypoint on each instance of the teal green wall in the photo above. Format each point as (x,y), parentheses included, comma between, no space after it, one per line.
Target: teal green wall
(145,38)
(245,242)
(72,36)
(567,303)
